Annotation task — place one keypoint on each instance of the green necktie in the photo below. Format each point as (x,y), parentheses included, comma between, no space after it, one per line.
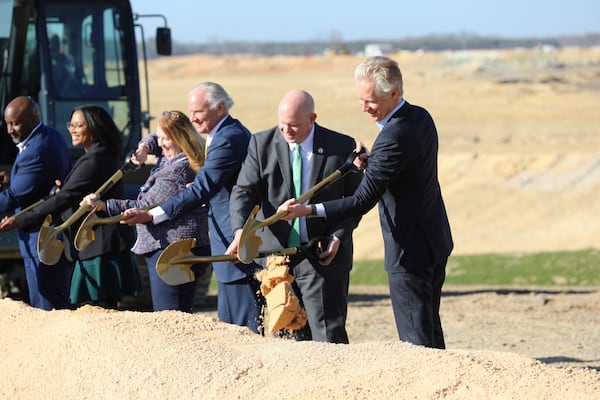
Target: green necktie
(294,239)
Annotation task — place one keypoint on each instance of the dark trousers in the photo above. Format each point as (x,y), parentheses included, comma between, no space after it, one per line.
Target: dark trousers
(241,303)
(415,296)
(170,297)
(325,302)
(48,285)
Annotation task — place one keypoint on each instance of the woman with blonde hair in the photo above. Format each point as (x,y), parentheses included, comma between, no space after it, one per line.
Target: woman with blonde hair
(182,156)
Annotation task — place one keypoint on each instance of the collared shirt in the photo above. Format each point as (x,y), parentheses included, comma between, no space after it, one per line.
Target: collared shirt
(384,121)
(23,145)
(380,124)
(306,153)
(214,130)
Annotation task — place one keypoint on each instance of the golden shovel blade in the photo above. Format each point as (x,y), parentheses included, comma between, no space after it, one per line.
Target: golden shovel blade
(85,234)
(250,242)
(49,248)
(174,265)
(167,267)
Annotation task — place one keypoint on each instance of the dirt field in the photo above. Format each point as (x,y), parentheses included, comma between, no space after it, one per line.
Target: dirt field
(520,171)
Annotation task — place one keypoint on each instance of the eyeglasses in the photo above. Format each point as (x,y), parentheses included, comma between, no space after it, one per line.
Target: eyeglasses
(75,127)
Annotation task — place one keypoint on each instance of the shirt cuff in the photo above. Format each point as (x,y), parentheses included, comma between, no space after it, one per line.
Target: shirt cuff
(320,210)
(158,215)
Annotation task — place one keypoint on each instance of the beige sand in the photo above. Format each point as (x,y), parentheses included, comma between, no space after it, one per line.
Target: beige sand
(520,170)
(91,353)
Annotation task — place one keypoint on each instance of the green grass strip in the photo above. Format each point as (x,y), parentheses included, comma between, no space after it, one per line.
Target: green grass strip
(565,268)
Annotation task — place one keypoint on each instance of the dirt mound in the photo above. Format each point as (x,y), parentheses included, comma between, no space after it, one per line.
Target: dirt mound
(164,355)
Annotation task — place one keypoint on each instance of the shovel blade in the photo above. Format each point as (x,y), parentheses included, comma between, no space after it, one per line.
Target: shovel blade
(248,247)
(49,248)
(249,241)
(84,239)
(85,234)
(176,274)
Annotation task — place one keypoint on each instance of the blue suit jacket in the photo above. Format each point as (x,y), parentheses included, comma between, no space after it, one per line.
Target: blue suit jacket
(212,186)
(402,176)
(44,159)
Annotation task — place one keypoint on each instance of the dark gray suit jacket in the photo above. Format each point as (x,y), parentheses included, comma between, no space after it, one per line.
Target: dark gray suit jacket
(266,179)
(402,176)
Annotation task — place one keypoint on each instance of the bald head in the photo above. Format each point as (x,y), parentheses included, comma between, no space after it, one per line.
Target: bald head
(298,101)
(21,115)
(297,115)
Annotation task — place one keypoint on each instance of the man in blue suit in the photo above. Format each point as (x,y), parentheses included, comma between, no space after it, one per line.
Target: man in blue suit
(402,175)
(238,299)
(43,158)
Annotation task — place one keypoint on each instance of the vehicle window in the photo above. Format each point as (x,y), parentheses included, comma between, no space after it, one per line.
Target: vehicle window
(87,64)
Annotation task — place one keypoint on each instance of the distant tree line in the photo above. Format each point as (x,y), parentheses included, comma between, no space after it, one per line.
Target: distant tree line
(461,41)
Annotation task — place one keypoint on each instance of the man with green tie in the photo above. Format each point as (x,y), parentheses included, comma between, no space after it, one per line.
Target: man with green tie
(284,162)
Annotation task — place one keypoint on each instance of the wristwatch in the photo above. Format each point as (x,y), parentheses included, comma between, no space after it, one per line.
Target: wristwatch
(313,210)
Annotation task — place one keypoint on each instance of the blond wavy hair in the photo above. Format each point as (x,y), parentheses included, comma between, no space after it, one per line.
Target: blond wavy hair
(178,128)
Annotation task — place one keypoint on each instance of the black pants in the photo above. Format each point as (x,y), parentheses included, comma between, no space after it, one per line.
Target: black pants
(325,301)
(415,296)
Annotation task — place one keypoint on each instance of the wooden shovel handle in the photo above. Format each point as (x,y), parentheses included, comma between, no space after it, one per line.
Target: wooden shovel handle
(331,178)
(119,217)
(86,207)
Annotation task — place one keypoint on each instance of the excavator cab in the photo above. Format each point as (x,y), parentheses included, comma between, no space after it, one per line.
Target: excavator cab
(65,53)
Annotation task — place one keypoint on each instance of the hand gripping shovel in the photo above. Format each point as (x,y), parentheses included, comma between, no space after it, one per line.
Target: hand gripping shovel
(250,242)
(23,211)
(175,262)
(86,235)
(37,203)
(49,248)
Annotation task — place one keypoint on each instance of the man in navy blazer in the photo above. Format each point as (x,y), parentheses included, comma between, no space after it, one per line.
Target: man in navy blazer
(402,175)
(238,301)
(266,179)
(43,158)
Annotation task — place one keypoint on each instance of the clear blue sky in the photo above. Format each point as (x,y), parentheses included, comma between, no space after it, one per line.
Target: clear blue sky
(200,21)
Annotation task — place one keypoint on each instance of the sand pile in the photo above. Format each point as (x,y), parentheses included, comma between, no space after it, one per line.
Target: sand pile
(92,353)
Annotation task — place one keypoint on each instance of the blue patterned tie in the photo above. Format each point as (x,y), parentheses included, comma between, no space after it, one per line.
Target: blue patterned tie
(294,239)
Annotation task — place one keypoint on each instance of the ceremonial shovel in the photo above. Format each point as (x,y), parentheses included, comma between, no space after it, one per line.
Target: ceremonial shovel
(23,211)
(86,235)
(250,242)
(37,203)
(175,262)
(49,248)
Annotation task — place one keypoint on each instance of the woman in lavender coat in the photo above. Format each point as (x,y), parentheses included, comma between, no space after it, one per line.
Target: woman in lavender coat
(182,157)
